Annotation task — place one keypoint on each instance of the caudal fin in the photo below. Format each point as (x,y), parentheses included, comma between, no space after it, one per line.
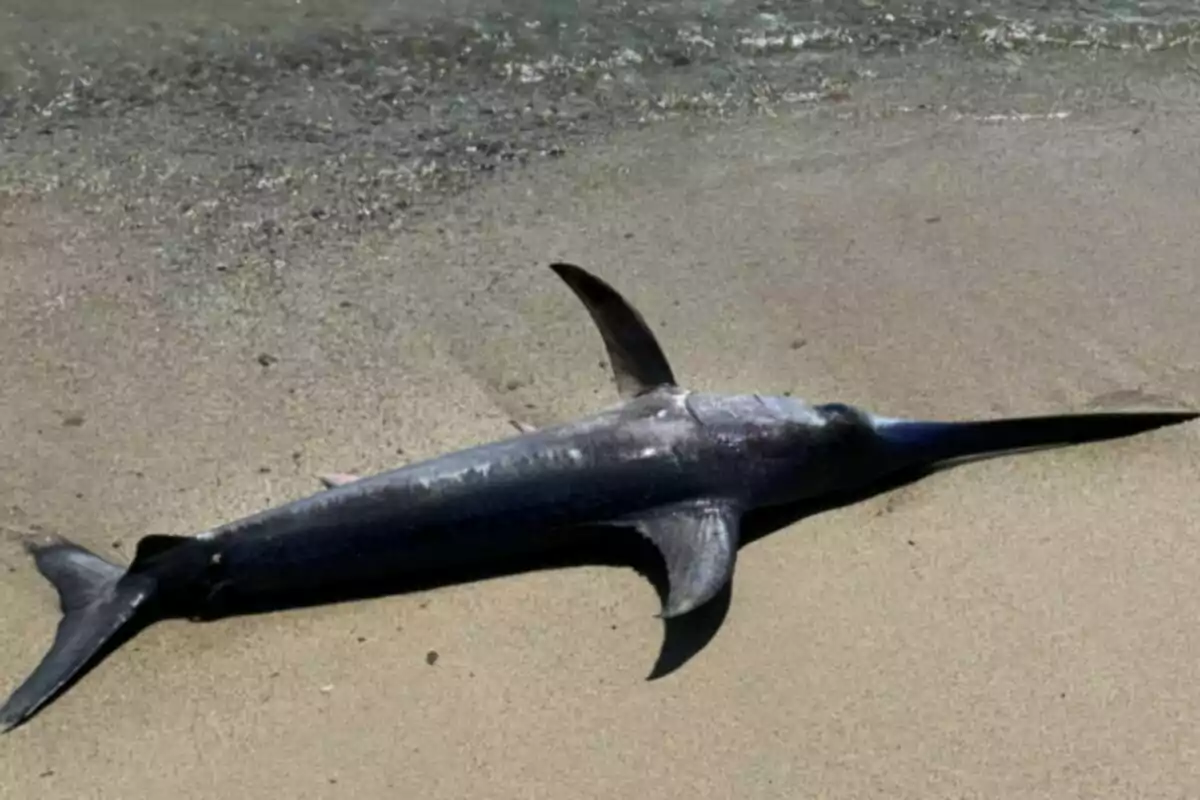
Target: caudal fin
(931,442)
(98,600)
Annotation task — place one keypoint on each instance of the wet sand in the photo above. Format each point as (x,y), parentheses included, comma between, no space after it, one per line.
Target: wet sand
(1021,627)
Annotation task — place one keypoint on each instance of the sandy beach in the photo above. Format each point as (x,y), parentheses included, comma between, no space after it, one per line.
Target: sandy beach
(1024,627)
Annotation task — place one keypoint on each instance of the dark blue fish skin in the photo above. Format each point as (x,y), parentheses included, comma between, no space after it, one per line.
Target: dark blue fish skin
(519,494)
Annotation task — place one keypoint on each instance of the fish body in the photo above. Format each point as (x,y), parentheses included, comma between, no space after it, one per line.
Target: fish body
(677,466)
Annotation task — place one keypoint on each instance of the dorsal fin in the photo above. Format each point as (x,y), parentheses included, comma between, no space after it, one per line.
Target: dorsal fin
(638,362)
(332,480)
(155,544)
(522,426)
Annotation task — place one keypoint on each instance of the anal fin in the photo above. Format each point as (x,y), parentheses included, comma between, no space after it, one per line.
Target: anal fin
(698,540)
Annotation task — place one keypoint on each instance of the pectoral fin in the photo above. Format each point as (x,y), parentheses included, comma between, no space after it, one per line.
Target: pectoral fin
(698,541)
(638,362)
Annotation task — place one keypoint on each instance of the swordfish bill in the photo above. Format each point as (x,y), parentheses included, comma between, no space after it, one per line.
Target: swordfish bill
(678,466)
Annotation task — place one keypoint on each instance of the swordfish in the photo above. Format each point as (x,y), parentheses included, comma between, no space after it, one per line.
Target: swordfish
(680,467)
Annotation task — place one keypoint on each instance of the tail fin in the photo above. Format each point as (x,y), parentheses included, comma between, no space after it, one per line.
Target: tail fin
(930,442)
(98,600)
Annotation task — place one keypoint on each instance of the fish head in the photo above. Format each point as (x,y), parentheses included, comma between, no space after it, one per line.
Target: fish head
(790,450)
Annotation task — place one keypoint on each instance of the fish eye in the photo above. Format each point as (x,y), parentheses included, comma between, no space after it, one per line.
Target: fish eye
(835,408)
(839,411)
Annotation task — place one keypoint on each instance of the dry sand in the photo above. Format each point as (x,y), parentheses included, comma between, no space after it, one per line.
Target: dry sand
(1022,627)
